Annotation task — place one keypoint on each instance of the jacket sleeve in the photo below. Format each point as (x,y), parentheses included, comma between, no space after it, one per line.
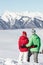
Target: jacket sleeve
(19,42)
(30,42)
(39,43)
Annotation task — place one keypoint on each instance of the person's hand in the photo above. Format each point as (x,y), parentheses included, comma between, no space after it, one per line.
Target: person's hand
(33,46)
(23,46)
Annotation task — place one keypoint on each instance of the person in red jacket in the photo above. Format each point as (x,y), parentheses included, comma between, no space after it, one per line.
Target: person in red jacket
(23,40)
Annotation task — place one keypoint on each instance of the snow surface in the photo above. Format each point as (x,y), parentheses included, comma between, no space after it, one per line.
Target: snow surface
(9,46)
(10,61)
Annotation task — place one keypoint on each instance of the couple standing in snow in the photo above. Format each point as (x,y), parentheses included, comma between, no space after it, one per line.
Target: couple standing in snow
(27,47)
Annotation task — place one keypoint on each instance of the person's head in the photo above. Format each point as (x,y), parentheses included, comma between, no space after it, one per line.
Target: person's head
(24,33)
(33,31)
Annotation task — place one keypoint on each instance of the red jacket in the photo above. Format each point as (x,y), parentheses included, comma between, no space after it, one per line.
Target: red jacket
(23,40)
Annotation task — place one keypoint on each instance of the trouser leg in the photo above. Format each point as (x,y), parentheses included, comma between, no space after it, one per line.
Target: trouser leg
(29,54)
(25,56)
(35,57)
(20,57)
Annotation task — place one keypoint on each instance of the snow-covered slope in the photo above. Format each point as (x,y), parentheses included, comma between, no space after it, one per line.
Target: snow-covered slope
(19,20)
(10,61)
(9,52)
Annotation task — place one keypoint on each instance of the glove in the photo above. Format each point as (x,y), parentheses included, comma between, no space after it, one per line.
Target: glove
(23,46)
(35,45)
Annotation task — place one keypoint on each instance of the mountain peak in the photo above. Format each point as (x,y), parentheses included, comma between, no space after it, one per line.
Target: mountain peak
(16,20)
(14,15)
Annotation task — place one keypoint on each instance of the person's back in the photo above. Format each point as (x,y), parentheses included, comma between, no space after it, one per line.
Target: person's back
(35,41)
(23,40)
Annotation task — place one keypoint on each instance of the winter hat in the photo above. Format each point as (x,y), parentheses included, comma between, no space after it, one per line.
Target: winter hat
(33,31)
(24,32)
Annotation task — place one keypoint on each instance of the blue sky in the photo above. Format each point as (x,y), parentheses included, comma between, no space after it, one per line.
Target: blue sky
(21,5)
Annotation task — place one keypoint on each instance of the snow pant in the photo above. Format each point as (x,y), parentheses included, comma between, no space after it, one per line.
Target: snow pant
(35,55)
(29,54)
(23,57)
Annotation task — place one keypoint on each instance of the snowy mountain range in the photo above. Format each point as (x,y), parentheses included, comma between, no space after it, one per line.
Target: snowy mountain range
(21,20)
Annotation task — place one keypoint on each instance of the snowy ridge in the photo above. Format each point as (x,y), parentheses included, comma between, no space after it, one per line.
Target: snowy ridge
(19,20)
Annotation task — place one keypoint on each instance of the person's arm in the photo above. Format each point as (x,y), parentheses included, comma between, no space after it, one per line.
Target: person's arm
(19,42)
(39,43)
(30,42)
(23,46)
